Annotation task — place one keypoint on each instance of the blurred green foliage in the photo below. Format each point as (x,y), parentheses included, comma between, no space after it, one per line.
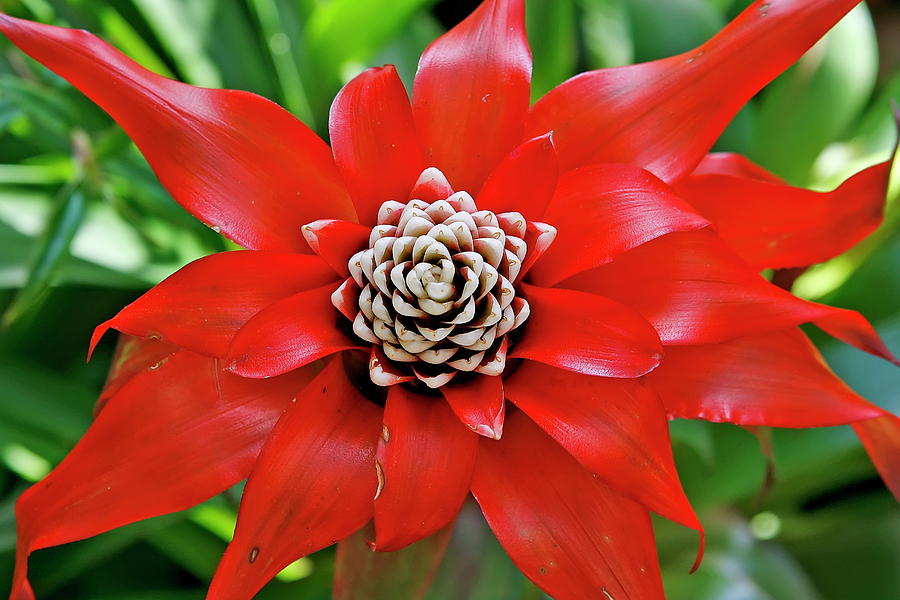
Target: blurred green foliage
(85,227)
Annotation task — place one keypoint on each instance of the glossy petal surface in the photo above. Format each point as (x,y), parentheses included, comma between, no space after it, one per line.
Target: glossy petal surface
(736,165)
(172,437)
(604,210)
(313,485)
(202,305)
(479,404)
(471,93)
(336,241)
(587,334)
(569,533)
(665,115)
(772,225)
(524,181)
(775,379)
(426,457)
(236,161)
(133,355)
(616,428)
(289,334)
(374,140)
(695,290)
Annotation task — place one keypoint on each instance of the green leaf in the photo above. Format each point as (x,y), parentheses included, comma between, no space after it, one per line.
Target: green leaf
(404,51)
(817,99)
(342,35)
(476,567)
(190,546)
(40,409)
(361,574)
(662,29)
(50,111)
(75,560)
(53,250)
(696,435)
(855,558)
(180,27)
(124,37)
(739,567)
(552,32)
(607,33)
(280,44)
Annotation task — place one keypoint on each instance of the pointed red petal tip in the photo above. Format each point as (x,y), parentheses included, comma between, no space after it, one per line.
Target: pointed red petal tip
(98,333)
(682,102)
(587,334)
(565,530)
(773,379)
(701,550)
(524,181)
(472,92)
(374,140)
(425,460)
(494,432)
(629,205)
(288,334)
(311,486)
(336,241)
(480,405)
(432,185)
(236,161)
(881,438)
(204,446)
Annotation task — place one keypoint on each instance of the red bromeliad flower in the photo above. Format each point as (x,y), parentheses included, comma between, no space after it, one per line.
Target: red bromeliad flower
(582,258)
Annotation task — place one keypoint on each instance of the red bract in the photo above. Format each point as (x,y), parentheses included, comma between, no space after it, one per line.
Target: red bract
(583,259)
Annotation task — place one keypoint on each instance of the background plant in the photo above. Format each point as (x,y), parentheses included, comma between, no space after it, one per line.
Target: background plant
(85,228)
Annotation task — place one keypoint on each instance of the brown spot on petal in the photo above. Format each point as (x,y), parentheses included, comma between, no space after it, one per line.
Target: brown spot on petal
(379,473)
(385,434)
(254,554)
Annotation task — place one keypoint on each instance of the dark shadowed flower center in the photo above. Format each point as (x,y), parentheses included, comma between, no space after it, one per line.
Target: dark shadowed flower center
(437,289)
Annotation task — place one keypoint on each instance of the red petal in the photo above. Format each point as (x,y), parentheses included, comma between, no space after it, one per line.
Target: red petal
(23,593)
(346,298)
(616,428)
(881,437)
(729,163)
(539,238)
(604,210)
(695,290)
(776,379)
(665,115)
(431,185)
(172,437)
(479,404)
(524,182)
(202,306)
(312,485)
(425,459)
(133,355)
(374,140)
(289,334)
(771,225)
(587,334)
(361,574)
(566,531)
(852,328)
(235,160)
(472,92)
(336,241)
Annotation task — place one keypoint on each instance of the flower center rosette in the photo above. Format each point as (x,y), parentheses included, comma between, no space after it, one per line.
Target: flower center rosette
(436,289)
